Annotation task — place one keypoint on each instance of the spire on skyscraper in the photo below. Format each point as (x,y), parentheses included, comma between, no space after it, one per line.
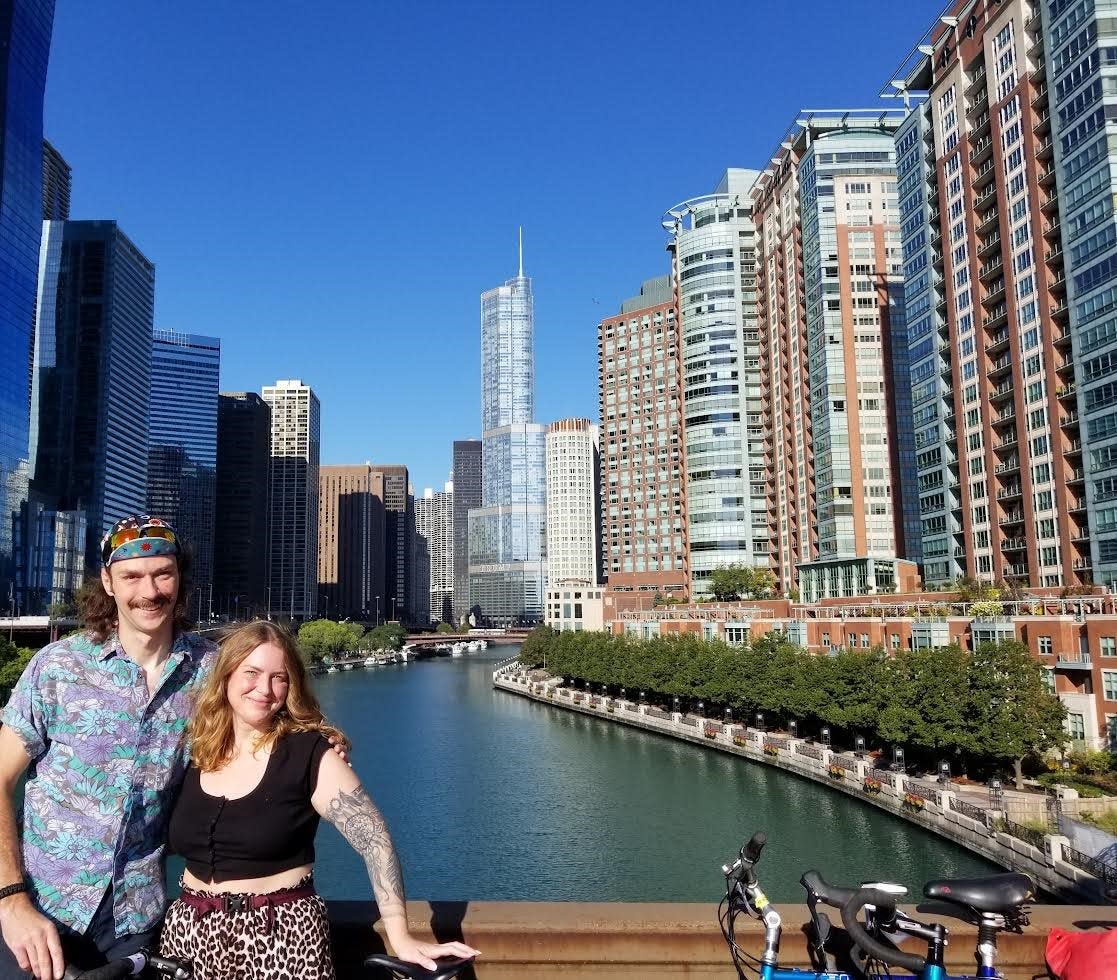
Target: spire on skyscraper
(521,272)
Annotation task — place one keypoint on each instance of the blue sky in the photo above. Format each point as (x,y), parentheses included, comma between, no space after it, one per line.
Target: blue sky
(329,186)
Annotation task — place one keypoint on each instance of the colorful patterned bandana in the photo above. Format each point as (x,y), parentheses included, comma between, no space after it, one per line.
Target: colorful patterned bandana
(138,536)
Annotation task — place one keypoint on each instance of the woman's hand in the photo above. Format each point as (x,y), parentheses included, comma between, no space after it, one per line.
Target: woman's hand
(413,950)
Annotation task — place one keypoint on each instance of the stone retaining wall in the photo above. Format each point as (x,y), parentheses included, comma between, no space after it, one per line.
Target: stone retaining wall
(934,808)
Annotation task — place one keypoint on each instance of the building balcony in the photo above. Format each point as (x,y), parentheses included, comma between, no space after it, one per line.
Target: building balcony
(987,246)
(1069,418)
(1050,207)
(988,221)
(1014,544)
(1077,504)
(1047,177)
(1040,98)
(1011,492)
(1012,518)
(1002,391)
(974,79)
(1018,570)
(997,343)
(1059,309)
(1073,447)
(981,151)
(1000,366)
(980,126)
(1005,415)
(995,294)
(977,102)
(985,175)
(1044,149)
(1074,661)
(995,317)
(989,194)
(1059,283)
(1082,564)
(1009,466)
(1009,441)
(1076,475)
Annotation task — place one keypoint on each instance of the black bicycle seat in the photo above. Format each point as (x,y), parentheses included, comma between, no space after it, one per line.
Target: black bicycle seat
(445,969)
(993,893)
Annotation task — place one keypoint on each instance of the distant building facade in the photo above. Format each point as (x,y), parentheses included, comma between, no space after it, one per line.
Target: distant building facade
(507,547)
(25,32)
(240,559)
(399,545)
(182,447)
(834,354)
(293,499)
(93,340)
(467,495)
(573,501)
(57,184)
(351,542)
(714,273)
(643,486)
(434,525)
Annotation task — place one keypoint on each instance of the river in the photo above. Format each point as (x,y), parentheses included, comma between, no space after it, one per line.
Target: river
(493,797)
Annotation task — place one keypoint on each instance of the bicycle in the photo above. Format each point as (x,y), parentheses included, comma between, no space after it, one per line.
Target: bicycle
(133,965)
(995,901)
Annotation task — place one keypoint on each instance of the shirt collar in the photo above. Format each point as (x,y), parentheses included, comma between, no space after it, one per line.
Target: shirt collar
(181,647)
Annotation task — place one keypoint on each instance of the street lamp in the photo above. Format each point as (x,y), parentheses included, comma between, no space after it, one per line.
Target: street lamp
(944,772)
(676,705)
(898,759)
(760,720)
(825,734)
(793,728)
(378,610)
(859,745)
(701,708)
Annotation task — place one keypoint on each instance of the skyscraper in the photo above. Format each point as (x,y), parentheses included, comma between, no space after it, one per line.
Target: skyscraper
(93,343)
(351,540)
(25,30)
(643,486)
(714,266)
(434,524)
(467,495)
(573,502)
(56,185)
(1005,198)
(293,499)
(507,556)
(834,356)
(240,557)
(399,530)
(182,446)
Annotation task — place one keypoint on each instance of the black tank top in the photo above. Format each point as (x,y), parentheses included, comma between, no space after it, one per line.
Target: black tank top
(268,831)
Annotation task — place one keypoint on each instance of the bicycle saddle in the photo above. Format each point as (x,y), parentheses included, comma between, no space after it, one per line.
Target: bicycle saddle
(993,893)
(446,968)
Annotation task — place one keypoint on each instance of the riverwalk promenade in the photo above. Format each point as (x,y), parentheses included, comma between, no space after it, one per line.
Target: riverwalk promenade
(963,815)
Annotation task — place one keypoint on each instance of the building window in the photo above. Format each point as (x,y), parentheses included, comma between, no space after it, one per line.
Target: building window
(1109,684)
(1111,732)
(1045,646)
(1109,646)
(1076,725)
(1049,679)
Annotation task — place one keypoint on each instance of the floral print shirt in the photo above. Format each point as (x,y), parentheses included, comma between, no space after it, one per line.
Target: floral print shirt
(107,761)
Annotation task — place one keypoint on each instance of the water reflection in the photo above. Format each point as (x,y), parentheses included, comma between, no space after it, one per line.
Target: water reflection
(491,796)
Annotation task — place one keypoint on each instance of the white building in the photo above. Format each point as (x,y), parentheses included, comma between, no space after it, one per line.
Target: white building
(573,502)
(434,525)
(293,499)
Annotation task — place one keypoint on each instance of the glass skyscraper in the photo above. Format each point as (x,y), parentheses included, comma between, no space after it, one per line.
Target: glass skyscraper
(25,29)
(92,362)
(507,533)
(182,448)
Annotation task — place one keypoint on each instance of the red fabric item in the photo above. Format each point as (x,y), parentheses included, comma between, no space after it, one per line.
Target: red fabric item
(1082,955)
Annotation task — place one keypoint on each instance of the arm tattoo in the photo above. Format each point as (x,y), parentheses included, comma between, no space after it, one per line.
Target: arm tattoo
(362,824)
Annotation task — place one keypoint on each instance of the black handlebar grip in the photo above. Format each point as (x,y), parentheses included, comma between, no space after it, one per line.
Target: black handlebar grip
(755,845)
(830,895)
(110,971)
(886,907)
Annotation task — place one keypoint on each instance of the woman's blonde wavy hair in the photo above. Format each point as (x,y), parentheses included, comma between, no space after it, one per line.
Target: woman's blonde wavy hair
(211,728)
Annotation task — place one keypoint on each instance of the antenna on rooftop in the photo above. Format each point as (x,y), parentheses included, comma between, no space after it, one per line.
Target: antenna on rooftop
(521,272)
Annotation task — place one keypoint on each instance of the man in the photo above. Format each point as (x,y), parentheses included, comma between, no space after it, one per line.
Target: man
(101,717)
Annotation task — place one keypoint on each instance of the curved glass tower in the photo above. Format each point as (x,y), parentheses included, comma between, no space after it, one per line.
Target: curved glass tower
(507,533)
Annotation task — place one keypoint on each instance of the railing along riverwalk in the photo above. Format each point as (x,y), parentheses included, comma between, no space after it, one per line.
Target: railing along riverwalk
(958,813)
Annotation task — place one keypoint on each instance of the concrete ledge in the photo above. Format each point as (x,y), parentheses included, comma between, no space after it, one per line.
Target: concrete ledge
(621,941)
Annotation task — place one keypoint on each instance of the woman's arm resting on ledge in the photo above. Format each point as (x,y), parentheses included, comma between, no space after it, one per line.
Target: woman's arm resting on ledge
(341,799)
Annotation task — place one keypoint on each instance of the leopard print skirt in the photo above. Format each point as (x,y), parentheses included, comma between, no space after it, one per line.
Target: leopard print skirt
(292,944)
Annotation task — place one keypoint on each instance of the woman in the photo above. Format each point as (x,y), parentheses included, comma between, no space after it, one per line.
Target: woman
(261,775)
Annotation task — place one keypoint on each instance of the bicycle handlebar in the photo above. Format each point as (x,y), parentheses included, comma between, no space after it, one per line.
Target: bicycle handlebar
(444,969)
(886,908)
(132,965)
(830,895)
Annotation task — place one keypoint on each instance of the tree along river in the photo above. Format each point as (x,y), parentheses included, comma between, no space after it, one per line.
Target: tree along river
(491,796)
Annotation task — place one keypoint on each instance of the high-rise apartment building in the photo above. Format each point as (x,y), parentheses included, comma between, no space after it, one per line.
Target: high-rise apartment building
(399,543)
(466,479)
(643,487)
(25,30)
(182,447)
(834,356)
(573,502)
(1000,182)
(1074,49)
(240,557)
(714,269)
(351,541)
(57,180)
(434,526)
(507,548)
(93,342)
(293,499)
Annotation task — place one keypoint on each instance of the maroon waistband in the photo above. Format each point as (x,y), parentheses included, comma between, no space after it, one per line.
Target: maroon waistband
(232,902)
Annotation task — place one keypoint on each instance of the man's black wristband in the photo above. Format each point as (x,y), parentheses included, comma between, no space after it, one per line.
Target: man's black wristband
(19,886)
